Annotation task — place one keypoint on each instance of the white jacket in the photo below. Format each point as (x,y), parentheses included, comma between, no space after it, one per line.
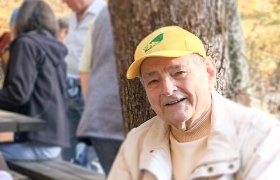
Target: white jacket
(243,145)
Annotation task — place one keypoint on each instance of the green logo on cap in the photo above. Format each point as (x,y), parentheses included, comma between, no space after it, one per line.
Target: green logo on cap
(154,42)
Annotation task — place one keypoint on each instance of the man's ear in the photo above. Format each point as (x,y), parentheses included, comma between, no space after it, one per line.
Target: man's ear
(211,71)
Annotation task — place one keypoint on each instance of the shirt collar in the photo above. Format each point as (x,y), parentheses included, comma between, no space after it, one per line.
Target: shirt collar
(95,7)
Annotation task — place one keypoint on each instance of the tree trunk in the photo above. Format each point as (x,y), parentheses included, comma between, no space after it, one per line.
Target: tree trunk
(216,22)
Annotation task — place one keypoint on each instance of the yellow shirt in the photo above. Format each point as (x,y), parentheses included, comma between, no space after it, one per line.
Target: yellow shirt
(188,147)
(185,156)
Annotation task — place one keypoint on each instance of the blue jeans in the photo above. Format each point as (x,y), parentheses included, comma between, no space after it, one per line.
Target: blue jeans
(30,151)
(74,113)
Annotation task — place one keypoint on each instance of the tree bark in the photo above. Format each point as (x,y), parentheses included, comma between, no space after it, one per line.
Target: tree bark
(216,22)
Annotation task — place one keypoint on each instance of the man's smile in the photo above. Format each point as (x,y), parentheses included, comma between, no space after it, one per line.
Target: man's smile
(175,102)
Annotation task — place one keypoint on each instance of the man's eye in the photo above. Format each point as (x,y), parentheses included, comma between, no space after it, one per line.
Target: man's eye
(152,82)
(180,73)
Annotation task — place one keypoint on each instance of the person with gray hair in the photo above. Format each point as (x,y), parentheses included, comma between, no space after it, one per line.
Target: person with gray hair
(35,83)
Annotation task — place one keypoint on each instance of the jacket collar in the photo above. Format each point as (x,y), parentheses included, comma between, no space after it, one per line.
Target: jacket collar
(155,156)
(223,138)
(222,148)
(222,143)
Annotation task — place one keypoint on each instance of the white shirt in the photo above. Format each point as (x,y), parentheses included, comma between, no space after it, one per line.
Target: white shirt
(76,37)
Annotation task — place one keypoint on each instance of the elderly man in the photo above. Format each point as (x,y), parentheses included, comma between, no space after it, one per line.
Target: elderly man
(197,133)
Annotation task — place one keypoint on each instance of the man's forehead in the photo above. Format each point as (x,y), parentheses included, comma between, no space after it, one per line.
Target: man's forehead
(169,61)
(152,65)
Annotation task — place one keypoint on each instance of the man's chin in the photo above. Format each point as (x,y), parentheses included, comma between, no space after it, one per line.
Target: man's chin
(179,127)
(180,124)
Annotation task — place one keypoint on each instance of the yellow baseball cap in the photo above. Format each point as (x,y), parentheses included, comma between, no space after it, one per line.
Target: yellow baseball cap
(170,41)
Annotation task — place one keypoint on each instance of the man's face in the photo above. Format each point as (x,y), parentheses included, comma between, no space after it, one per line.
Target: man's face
(75,5)
(179,89)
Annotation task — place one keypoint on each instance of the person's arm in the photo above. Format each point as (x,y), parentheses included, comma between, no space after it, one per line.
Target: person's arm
(21,75)
(85,62)
(84,76)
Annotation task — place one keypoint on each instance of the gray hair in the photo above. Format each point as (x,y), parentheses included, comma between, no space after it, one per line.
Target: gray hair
(36,15)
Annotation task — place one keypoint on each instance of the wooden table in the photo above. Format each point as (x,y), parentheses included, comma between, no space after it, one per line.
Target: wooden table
(12,122)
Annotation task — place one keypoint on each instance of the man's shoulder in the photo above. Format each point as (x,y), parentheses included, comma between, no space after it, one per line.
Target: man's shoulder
(149,134)
(264,121)
(245,117)
(143,128)
(27,41)
(259,120)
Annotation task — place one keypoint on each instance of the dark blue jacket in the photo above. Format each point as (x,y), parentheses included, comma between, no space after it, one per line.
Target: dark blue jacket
(35,85)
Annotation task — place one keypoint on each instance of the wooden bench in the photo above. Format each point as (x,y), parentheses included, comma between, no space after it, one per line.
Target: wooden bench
(53,170)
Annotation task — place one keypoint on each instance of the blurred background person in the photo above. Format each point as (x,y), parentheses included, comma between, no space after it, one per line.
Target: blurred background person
(12,22)
(35,83)
(4,54)
(83,15)
(102,120)
(5,41)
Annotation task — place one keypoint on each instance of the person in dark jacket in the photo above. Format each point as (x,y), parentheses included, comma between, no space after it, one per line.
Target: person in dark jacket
(35,83)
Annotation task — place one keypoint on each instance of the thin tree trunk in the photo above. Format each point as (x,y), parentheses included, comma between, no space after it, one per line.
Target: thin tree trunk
(210,20)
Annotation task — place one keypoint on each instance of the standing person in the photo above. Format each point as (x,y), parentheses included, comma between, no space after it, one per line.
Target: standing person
(197,133)
(35,83)
(84,13)
(63,24)
(102,118)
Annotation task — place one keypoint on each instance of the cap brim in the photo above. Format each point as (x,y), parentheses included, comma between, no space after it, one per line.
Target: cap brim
(134,69)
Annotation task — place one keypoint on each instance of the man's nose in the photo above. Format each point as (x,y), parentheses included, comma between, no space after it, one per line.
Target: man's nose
(168,86)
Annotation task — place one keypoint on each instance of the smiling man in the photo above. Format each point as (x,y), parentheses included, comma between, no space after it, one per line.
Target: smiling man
(197,133)
(178,89)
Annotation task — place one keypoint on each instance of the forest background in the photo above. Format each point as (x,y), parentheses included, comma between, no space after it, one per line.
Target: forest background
(261,27)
